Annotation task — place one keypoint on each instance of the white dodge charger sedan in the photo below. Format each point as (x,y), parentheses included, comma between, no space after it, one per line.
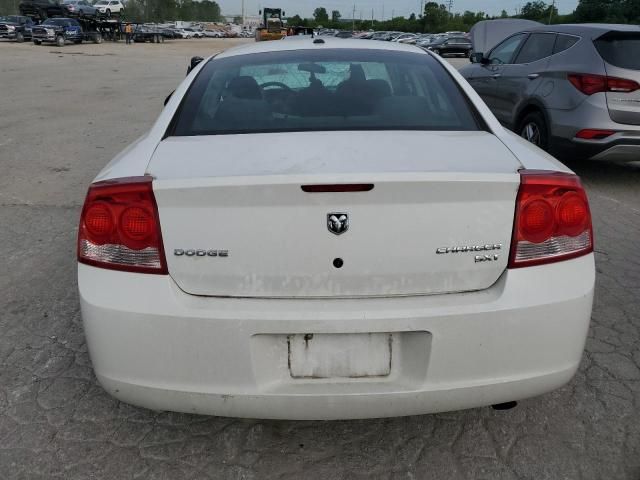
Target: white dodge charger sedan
(328,229)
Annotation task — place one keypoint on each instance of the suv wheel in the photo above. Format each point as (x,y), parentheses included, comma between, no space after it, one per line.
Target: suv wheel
(19,37)
(60,41)
(533,128)
(37,42)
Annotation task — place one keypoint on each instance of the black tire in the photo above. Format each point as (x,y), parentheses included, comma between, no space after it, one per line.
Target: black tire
(37,42)
(60,41)
(108,13)
(97,38)
(533,127)
(19,37)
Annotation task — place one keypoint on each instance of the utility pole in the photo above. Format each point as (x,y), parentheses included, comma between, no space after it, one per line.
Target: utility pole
(553,5)
(393,12)
(353,17)
(422,8)
(450,6)
(372,18)
(383,12)
(243,19)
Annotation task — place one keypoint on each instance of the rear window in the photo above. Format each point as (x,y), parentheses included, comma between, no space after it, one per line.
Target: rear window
(620,49)
(304,90)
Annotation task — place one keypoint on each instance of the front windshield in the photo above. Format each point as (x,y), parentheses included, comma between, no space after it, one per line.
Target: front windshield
(306,90)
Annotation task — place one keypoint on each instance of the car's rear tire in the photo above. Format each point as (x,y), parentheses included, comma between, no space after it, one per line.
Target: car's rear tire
(533,128)
(19,37)
(37,42)
(60,41)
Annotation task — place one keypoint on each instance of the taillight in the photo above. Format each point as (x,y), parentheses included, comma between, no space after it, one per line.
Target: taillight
(552,220)
(590,84)
(594,134)
(120,228)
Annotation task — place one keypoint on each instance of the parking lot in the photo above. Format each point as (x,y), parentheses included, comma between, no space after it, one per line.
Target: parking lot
(64,113)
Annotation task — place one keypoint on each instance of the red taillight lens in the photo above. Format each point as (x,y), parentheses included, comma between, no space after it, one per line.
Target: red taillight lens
(621,85)
(590,84)
(594,134)
(120,228)
(552,220)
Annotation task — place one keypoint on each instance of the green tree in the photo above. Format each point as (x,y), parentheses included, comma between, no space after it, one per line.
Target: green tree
(538,10)
(436,17)
(335,16)
(504,14)
(321,16)
(296,21)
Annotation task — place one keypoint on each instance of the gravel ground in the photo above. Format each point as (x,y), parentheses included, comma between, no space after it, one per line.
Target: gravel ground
(64,113)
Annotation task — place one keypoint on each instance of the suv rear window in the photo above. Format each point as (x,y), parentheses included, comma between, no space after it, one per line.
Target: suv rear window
(620,49)
(306,90)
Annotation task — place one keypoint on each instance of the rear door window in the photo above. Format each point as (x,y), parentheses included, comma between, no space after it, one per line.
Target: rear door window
(537,47)
(620,49)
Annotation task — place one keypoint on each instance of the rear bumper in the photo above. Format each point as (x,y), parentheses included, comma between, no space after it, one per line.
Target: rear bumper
(153,345)
(622,146)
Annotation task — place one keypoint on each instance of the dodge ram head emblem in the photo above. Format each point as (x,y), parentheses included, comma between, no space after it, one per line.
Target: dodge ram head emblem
(338,223)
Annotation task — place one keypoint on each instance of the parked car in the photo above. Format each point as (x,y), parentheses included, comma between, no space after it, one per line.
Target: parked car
(348,275)
(451,46)
(184,33)
(41,9)
(58,31)
(108,7)
(16,27)
(344,34)
(81,8)
(214,34)
(405,36)
(573,90)
(194,33)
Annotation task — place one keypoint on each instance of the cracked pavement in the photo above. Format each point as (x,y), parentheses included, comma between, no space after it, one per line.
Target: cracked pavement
(65,113)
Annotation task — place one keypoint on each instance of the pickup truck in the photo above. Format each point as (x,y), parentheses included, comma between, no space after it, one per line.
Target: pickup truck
(58,31)
(16,27)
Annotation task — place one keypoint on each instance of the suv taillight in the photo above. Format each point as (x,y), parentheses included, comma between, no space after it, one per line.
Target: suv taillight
(590,84)
(120,228)
(552,220)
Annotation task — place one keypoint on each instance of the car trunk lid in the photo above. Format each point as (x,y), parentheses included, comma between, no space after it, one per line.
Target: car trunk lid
(236,221)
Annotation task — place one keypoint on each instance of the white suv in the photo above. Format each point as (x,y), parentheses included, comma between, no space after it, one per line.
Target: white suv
(108,7)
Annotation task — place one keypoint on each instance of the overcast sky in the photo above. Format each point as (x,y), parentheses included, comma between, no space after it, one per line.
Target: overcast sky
(398,7)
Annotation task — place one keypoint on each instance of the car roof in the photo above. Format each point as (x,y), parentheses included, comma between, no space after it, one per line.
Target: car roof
(592,30)
(307,43)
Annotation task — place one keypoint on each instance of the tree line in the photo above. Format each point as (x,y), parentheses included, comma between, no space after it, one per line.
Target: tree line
(436,17)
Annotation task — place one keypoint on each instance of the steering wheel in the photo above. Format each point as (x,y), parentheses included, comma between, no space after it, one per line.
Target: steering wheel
(275,84)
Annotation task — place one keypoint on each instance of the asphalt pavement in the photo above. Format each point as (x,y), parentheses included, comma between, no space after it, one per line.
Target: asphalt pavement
(64,113)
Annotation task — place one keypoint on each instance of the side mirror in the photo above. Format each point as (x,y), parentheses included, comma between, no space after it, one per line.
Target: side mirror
(478,57)
(194,63)
(166,100)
